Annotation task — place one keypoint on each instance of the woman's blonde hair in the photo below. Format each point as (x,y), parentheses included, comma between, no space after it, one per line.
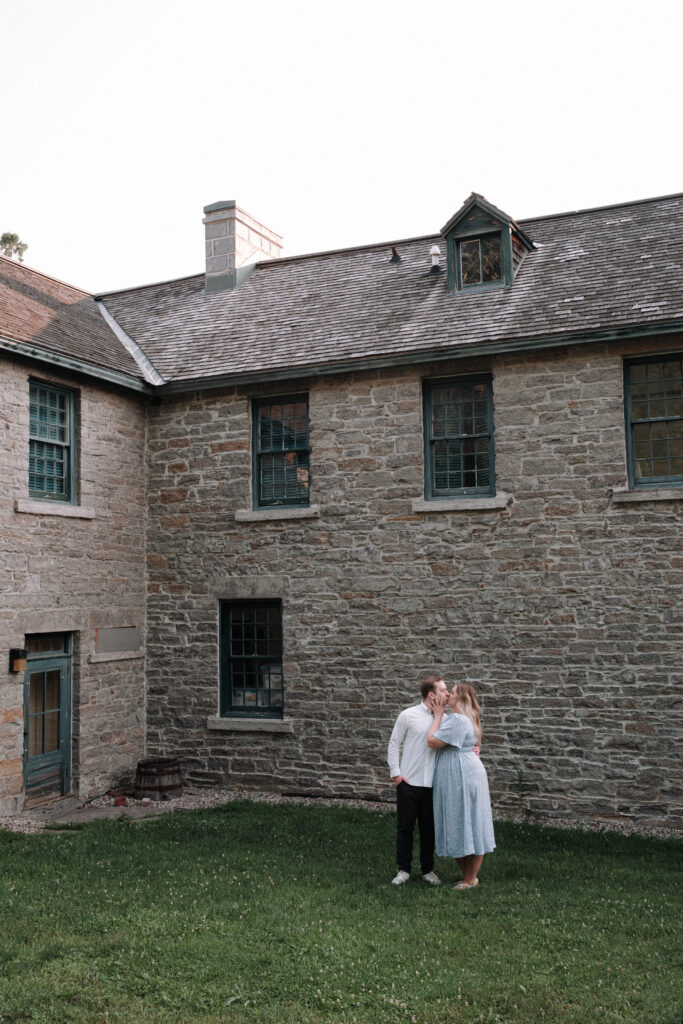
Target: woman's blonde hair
(467,700)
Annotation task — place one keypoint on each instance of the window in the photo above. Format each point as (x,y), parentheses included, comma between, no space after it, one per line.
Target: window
(51,442)
(480,260)
(459,437)
(251,681)
(485,246)
(281,452)
(654,421)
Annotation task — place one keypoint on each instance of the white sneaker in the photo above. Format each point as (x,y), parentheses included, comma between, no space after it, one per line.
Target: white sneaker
(401,877)
(431,878)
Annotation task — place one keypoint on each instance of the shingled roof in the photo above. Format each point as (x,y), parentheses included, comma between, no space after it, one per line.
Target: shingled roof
(44,318)
(601,272)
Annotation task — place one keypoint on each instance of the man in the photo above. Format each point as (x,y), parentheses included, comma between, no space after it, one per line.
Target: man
(411,766)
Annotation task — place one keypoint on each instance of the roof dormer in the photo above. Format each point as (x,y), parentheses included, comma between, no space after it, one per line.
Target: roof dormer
(485,246)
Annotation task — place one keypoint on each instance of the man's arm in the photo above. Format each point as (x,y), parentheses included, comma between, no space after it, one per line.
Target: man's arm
(394,751)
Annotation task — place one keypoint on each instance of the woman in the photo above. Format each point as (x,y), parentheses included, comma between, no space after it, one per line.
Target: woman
(462,807)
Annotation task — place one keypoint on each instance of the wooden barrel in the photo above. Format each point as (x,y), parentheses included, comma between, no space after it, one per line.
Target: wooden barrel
(158,779)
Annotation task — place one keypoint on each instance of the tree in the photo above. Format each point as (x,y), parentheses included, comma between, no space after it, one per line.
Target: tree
(12,246)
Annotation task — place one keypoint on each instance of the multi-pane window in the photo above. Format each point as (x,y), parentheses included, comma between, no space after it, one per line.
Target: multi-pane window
(480,260)
(654,419)
(51,442)
(281,451)
(459,437)
(251,658)
(44,694)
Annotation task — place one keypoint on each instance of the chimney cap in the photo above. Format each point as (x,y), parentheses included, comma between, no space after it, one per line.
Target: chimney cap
(223,204)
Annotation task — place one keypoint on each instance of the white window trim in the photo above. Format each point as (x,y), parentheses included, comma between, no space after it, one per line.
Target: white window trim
(49,508)
(622,495)
(248,515)
(250,724)
(500,501)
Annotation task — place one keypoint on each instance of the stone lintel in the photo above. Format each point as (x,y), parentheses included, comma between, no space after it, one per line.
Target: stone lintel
(500,501)
(248,515)
(53,508)
(245,588)
(250,724)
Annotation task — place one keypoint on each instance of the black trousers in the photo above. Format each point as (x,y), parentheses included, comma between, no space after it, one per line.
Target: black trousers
(414,804)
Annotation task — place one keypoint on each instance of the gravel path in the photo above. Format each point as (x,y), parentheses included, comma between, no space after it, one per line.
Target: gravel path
(197,799)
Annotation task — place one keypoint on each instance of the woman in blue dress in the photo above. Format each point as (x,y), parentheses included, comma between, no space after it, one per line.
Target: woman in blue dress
(463,822)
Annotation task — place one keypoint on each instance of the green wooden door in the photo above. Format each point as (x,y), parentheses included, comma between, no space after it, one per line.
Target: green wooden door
(47,717)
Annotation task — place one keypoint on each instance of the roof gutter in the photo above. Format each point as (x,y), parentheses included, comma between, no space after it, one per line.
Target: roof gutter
(431,355)
(62,362)
(442,354)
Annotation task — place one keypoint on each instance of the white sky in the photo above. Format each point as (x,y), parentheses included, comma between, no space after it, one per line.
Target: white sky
(334,124)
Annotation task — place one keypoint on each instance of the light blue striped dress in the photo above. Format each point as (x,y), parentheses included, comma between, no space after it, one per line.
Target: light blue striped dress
(463,822)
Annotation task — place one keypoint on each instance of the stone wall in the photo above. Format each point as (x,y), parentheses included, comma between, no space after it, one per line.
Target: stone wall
(562,607)
(77,575)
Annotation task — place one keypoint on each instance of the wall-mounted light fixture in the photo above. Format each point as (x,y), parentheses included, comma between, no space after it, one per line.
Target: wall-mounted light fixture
(17,659)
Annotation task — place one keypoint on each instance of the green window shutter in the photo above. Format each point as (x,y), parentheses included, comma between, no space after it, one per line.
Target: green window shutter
(281,451)
(458,430)
(654,421)
(51,442)
(251,679)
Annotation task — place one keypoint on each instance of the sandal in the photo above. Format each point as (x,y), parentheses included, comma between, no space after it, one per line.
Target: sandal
(461,886)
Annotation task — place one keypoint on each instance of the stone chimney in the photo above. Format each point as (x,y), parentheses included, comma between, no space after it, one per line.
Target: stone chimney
(234,239)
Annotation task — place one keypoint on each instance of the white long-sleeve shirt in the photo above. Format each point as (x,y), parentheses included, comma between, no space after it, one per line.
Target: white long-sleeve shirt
(408,753)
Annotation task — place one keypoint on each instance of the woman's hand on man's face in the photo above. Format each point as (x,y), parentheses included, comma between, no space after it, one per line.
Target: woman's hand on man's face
(434,703)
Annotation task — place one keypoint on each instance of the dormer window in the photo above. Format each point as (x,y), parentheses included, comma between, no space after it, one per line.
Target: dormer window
(485,246)
(480,260)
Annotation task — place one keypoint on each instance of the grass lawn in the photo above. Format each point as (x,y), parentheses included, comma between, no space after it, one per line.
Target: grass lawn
(283,914)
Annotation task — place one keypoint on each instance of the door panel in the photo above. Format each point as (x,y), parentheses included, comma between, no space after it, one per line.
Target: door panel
(47,730)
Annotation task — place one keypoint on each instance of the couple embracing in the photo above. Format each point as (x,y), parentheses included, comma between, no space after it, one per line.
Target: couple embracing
(440,783)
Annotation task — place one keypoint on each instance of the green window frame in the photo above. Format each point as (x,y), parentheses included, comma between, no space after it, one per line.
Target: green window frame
(458,434)
(47,713)
(653,391)
(281,451)
(251,678)
(52,442)
(480,261)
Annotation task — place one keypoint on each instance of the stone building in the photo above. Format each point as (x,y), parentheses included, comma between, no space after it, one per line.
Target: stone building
(72,522)
(362,465)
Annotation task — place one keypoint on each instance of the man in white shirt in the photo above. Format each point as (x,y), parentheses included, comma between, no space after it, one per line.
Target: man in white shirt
(411,766)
